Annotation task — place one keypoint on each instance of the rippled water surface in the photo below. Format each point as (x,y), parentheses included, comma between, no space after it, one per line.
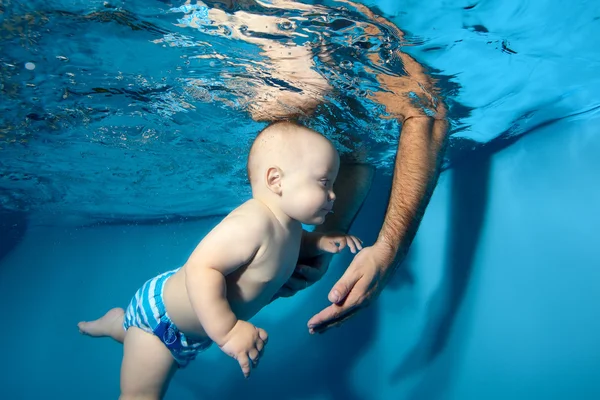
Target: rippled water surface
(143,109)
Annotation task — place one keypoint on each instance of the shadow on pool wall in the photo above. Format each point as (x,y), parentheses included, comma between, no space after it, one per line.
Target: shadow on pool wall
(467,208)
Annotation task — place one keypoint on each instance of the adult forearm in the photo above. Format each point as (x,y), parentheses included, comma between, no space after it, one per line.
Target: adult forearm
(416,171)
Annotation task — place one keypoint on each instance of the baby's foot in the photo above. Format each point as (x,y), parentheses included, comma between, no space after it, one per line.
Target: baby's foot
(102,326)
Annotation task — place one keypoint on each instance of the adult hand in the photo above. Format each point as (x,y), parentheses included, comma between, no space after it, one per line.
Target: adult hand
(357,288)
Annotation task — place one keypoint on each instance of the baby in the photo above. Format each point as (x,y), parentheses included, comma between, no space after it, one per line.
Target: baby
(235,270)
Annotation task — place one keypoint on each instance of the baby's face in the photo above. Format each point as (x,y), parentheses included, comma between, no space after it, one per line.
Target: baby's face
(308,191)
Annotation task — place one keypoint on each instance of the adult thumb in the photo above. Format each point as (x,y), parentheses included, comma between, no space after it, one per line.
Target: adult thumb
(342,287)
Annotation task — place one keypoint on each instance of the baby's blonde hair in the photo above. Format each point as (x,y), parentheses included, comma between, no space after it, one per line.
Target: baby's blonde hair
(273,139)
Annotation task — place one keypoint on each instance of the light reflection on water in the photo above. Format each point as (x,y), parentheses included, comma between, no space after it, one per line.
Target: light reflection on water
(142,110)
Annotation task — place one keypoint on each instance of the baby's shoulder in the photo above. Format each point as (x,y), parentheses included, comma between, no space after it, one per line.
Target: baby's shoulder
(251,215)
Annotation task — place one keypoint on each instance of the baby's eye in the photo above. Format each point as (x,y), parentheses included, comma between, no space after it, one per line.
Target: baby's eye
(324,182)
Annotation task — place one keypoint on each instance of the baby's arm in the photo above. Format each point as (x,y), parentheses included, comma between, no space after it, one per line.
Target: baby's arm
(316,243)
(230,245)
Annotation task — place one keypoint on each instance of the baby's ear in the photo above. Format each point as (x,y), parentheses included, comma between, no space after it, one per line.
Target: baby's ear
(273,179)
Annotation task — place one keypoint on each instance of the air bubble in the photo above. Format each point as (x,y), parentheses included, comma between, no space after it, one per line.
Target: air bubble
(286,25)
(30,66)
(346,64)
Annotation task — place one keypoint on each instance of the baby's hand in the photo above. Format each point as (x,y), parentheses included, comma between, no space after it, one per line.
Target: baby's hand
(245,343)
(334,243)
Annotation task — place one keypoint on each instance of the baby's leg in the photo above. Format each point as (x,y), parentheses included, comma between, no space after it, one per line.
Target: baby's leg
(111,324)
(147,366)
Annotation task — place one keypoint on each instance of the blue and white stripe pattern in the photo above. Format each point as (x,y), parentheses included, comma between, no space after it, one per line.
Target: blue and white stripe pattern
(147,312)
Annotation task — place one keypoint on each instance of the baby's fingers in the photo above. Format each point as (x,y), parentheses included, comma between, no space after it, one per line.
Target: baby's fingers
(260,345)
(244,362)
(351,243)
(341,243)
(356,241)
(254,355)
(262,334)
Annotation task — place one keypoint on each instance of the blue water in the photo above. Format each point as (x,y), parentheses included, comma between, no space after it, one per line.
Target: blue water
(124,113)
(151,102)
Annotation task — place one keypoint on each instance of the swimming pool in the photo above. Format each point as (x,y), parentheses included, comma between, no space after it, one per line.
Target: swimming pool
(130,113)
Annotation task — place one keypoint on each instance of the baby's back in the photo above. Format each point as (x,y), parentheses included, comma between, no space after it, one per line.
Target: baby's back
(251,286)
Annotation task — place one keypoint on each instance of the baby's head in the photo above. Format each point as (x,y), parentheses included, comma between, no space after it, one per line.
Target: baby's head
(293,168)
